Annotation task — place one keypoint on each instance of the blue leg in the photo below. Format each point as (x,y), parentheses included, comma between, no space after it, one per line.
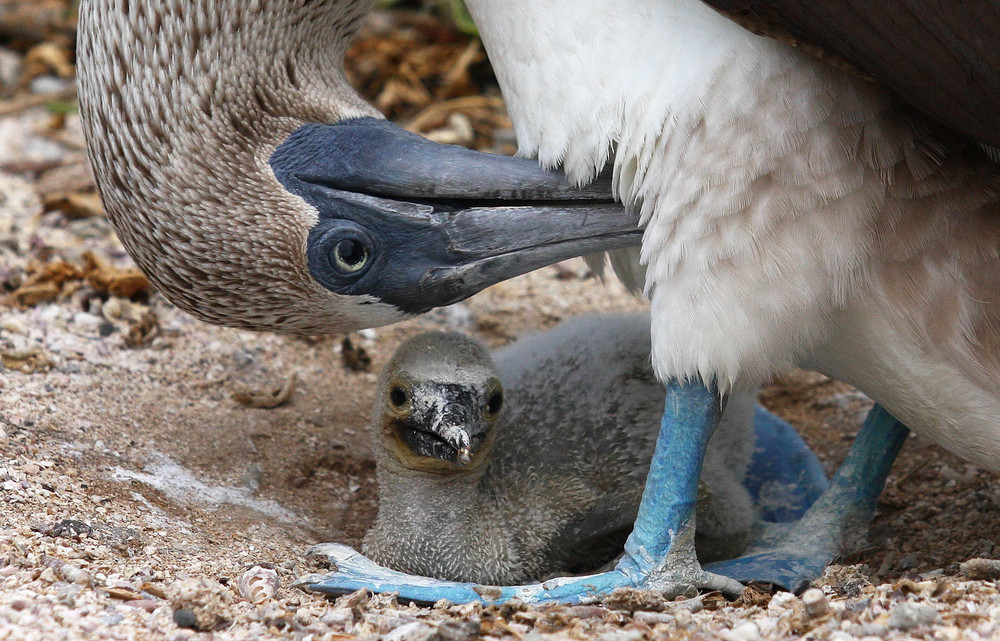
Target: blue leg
(659,554)
(794,555)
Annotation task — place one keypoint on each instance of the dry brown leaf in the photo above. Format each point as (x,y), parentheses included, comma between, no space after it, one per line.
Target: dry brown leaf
(458,130)
(57,272)
(26,361)
(267,399)
(123,594)
(75,205)
(398,94)
(126,283)
(437,114)
(31,165)
(457,81)
(118,309)
(754,595)
(45,282)
(30,295)
(405,61)
(144,330)
(47,57)
(155,590)
(354,358)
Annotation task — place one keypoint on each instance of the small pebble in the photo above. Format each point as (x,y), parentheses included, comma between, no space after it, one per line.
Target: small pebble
(413,631)
(981,569)
(87,320)
(339,618)
(48,84)
(74,574)
(185,618)
(620,635)
(815,602)
(747,631)
(652,618)
(683,618)
(14,325)
(305,616)
(143,604)
(112,618)
(781,602)
(869,630)
(906,616)
(457,631)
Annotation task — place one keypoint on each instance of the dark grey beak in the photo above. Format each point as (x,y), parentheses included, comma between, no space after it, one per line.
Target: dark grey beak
(417,224)
(445,422)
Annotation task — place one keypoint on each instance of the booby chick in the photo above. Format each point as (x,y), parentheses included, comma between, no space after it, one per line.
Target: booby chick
(508,469)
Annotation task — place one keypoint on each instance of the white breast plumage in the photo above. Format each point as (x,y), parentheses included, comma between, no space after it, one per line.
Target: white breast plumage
(795,214)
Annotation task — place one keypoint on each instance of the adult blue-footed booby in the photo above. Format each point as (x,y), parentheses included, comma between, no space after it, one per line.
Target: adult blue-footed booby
(792,213)
(506,469)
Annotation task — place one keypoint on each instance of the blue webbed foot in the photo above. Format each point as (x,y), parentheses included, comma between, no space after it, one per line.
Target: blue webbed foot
(792,555)
(353,571)
(784,477)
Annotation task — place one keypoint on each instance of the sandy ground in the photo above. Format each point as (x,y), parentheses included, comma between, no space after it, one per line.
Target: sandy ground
(135,492)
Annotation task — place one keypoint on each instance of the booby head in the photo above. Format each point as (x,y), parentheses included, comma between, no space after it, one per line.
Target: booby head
(256,189)
(437,405)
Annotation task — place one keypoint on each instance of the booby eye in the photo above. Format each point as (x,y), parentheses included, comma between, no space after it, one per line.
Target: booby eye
(494,403)
(398,396)
(350,256)
(341,253)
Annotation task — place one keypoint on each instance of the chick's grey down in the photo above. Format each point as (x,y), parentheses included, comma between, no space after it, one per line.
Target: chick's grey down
(554,481)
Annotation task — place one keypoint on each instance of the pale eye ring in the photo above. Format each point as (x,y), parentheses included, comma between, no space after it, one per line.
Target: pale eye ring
(350,255)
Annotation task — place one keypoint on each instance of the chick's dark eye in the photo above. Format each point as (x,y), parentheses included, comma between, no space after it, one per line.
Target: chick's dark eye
(350,255)
(494,403)
(398,396)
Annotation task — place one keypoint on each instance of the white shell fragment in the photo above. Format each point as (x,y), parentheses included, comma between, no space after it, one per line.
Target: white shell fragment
(258,585)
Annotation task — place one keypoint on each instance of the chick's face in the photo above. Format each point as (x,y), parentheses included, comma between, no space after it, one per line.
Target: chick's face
(438,405)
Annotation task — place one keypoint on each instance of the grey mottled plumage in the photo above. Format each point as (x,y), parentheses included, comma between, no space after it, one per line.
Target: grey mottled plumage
(553,482)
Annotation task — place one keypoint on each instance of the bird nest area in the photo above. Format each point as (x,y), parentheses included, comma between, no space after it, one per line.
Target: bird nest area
(161,478)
